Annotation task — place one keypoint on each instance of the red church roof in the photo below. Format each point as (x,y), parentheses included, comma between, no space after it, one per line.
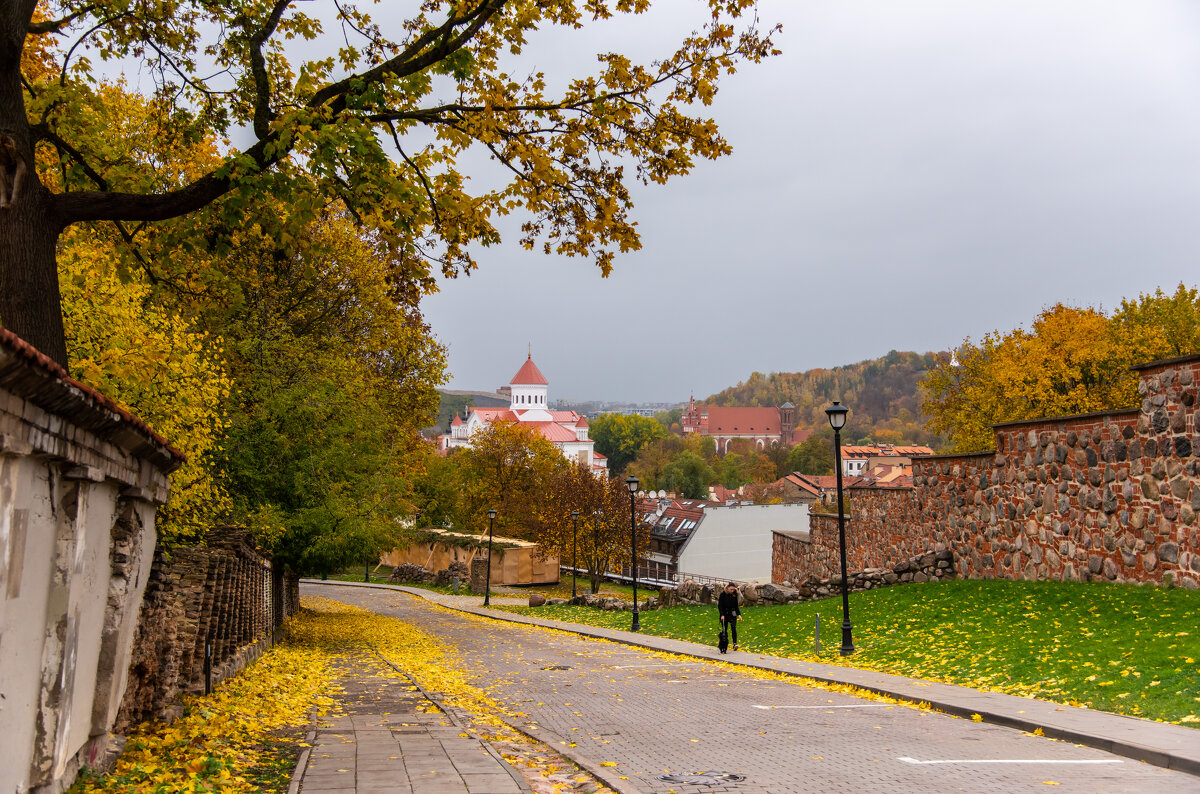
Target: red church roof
(529,374)
(743,421)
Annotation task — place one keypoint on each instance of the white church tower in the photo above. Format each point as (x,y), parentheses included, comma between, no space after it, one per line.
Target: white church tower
(529,388)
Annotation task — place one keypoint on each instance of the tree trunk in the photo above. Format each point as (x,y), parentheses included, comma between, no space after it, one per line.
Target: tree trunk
(30,303)
(29,226)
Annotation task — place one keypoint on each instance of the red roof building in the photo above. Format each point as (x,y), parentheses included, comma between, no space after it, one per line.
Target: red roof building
(527,392)
(763,427)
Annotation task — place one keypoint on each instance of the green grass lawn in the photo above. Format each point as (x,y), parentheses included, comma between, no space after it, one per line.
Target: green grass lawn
(1120,648)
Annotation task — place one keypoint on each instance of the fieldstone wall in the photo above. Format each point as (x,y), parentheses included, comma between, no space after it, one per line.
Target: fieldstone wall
(1112,497)
(225,596)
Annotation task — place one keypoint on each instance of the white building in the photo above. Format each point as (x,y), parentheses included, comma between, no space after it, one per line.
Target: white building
(567,430)
(734,541)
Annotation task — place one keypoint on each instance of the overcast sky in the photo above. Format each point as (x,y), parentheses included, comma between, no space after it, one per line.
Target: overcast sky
(905,174)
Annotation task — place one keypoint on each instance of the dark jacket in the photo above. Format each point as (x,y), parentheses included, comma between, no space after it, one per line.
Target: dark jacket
(727,605)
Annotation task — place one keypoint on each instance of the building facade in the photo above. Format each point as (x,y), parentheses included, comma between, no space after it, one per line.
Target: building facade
(528,391)
(762,427)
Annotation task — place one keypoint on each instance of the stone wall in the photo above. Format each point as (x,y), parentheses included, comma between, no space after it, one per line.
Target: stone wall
(80,480)
(1102,497)
(223,596)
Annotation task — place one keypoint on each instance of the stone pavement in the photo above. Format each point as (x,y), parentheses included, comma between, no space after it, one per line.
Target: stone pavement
(631,717)
(391,737)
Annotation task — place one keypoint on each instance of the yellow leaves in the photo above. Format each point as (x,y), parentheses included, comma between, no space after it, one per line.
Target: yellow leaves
(1038,732)
(608,763)
(221,737)
(1051,783)
(976,718)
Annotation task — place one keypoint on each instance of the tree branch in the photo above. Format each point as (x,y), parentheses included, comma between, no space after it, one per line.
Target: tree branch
(55,25)
(263,115)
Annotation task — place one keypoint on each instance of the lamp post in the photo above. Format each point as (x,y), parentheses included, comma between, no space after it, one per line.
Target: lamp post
(574,548)
(487,579)
(631,483)
(837,420)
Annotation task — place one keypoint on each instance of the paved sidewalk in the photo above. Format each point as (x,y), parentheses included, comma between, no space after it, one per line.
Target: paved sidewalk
(1171,746)
(391,737)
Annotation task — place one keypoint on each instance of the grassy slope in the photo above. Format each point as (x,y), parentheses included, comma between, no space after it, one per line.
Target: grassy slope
(1121,648)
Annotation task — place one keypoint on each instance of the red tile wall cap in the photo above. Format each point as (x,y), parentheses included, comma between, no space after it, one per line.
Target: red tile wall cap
(1166,362)
(95,403)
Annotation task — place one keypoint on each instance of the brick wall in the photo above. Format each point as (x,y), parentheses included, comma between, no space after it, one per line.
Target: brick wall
(1111,496)
(225,595)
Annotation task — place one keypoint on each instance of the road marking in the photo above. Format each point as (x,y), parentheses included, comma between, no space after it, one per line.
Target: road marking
(847,706)
(908,760)
(726,680)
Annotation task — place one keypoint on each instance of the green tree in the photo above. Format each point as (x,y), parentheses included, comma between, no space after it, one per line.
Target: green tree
(688,475)
(670,420)
(620,437)
(318,128)
(814,455)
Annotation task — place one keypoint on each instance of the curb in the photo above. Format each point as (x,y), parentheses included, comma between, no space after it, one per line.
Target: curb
(1178,750)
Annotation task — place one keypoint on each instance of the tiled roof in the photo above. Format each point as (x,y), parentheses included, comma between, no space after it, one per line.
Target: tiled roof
(552,431)
(494,414)
(456,421)
(529,374)
(866,451)
(53,390)
(811,483)
(757,421)
(583,422)
(598,456)
(564,416)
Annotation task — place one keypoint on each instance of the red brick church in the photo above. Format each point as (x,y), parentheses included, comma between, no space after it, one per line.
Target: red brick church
(761,426)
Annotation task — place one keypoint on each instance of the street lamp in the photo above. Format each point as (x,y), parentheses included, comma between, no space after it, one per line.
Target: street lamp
(487,579)
(631,483)
(574,548)
(837,420)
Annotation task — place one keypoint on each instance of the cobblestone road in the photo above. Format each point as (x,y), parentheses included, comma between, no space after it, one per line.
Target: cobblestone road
(651,717)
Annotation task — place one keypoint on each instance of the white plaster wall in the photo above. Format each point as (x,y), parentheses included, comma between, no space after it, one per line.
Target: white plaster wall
(735,542)
(87,588)
(28,538)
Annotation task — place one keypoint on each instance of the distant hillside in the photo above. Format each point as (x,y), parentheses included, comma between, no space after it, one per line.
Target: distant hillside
(882,395)
(455,401)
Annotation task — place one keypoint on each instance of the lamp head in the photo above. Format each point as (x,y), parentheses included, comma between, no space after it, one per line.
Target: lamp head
(837,415)
(492,515)
(631,483)
(574,514)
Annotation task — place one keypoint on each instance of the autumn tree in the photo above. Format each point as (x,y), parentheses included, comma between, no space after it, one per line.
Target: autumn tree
(1071,361)
(602,543)
(507,468)
(153,361)
(620,437)
(369,114)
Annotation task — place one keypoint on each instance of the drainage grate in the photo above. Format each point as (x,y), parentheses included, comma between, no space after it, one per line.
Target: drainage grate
(702,778)
(557,667)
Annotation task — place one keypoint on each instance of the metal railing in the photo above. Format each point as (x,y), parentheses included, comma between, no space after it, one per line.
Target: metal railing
(658,576)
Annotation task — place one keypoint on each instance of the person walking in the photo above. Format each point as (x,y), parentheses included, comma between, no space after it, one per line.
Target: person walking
(727,608)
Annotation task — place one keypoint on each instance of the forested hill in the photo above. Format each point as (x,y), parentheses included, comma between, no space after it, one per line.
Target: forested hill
(882,395)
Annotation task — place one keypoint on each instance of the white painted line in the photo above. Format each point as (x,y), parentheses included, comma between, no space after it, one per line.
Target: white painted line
(725,680)
(847,706)
(908,760)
